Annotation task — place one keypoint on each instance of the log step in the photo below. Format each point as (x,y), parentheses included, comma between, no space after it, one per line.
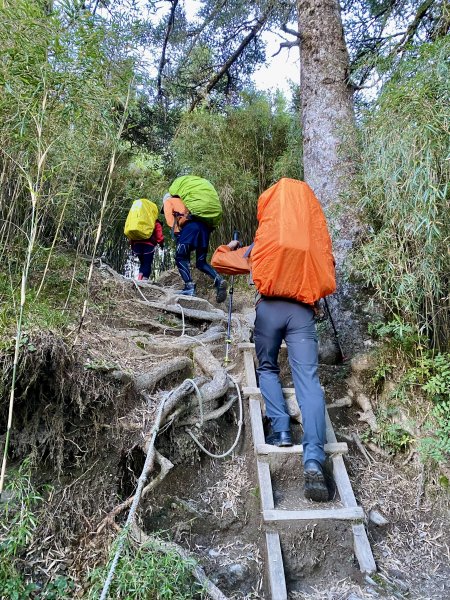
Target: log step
(354,513)
(267,449)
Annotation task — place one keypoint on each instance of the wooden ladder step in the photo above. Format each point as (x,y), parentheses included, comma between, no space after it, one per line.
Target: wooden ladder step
(268,449)
(349,512)
(277,581)
(354,513)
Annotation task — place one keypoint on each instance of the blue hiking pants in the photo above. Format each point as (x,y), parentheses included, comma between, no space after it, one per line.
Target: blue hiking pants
(278,319)
(194,236)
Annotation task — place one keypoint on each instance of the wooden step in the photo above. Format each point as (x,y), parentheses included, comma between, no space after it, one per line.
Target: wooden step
(267,449)
(276,569)
(355,513)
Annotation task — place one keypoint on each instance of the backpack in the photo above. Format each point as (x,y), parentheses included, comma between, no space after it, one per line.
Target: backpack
(200,197)
(291,256)
(141,220)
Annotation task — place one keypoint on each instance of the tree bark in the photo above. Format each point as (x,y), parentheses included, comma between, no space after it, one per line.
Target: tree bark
(327,116)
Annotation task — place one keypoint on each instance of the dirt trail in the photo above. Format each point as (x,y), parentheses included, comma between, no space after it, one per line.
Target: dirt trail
(210,507)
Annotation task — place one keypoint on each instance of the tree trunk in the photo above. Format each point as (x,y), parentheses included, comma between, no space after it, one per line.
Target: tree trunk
(327,116)
(329,146)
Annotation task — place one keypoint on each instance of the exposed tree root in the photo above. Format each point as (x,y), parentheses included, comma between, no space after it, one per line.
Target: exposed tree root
(214,414)
(367,416)
(218,386)
(147,381)
(189,313)
(142,538)
(165,465)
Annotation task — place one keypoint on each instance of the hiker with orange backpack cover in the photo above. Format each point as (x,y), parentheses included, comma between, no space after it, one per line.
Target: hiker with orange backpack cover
(292,267)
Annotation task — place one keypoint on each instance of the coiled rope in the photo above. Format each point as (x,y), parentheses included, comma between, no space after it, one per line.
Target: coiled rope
(240,423)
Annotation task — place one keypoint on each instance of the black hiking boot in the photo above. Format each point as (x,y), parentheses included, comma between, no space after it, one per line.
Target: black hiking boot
(282,439)
(316,488)
(221,287)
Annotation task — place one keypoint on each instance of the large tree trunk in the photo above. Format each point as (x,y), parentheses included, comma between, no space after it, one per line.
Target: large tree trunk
(327,115)
(329,140)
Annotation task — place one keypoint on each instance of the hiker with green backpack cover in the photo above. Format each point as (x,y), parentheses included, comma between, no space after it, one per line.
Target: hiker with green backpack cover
(192,209)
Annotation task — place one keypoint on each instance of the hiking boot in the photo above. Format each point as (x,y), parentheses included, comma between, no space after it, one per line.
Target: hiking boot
(280,438)
(316,488)
(188,290)
(221,287)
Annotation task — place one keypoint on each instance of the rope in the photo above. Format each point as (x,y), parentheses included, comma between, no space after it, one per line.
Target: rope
(142,479)
(184,324)
(200,399)
(238,435)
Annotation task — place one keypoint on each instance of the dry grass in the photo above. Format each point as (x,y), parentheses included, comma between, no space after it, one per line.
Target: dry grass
(228,494)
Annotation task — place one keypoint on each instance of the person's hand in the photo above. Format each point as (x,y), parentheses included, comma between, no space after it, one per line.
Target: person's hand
(234,245)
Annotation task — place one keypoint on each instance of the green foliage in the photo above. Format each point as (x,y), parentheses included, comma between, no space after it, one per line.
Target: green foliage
(146,573)
(19,522)
(242,151)
(391,436)
(422,387)
(58,302)
(405,193)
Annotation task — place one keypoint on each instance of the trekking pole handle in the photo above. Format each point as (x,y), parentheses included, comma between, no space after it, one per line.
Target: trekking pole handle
(235,235)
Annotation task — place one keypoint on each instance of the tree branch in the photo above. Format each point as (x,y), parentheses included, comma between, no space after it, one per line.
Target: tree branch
(163,60)
(261,21)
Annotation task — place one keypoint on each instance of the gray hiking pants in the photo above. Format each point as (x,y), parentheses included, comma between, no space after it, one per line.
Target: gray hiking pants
(294,322)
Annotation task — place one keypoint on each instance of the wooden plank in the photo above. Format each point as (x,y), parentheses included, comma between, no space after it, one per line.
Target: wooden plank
(340,514)
(255,391)
(249,365)
(339,471)
(330,436)
(277,581)
(256,422)
(265,486)
(343,482)
(267,449)
(362,549)
(249,345)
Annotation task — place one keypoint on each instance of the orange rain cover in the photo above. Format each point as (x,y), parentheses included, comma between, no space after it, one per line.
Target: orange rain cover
(171,206)
(292,255)
(231,262)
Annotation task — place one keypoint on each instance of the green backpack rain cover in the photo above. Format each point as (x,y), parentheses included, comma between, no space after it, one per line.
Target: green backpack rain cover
(200,198)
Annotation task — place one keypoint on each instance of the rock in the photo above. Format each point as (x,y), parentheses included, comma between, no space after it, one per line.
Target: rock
(354,386)
(293,408)
(363,362)
(353,597)
(377,518)
(388,388)
(328,352)
(345,401)
(233,576)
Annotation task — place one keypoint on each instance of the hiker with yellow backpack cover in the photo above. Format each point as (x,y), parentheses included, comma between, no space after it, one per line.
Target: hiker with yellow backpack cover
(292,267)
(144,233)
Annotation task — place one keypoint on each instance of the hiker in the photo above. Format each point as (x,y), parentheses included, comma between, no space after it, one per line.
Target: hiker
(192,209)
(145,251)
(144,233)
(292,267)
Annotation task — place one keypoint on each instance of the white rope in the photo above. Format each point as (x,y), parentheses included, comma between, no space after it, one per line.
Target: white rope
(142,479)
(184,325)
(238,435)
(200,399)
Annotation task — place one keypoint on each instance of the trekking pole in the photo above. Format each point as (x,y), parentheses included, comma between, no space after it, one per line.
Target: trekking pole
(338,343)
(230,307)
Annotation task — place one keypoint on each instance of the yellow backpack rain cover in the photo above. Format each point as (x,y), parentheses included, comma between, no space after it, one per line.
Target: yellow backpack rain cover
(141,220)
